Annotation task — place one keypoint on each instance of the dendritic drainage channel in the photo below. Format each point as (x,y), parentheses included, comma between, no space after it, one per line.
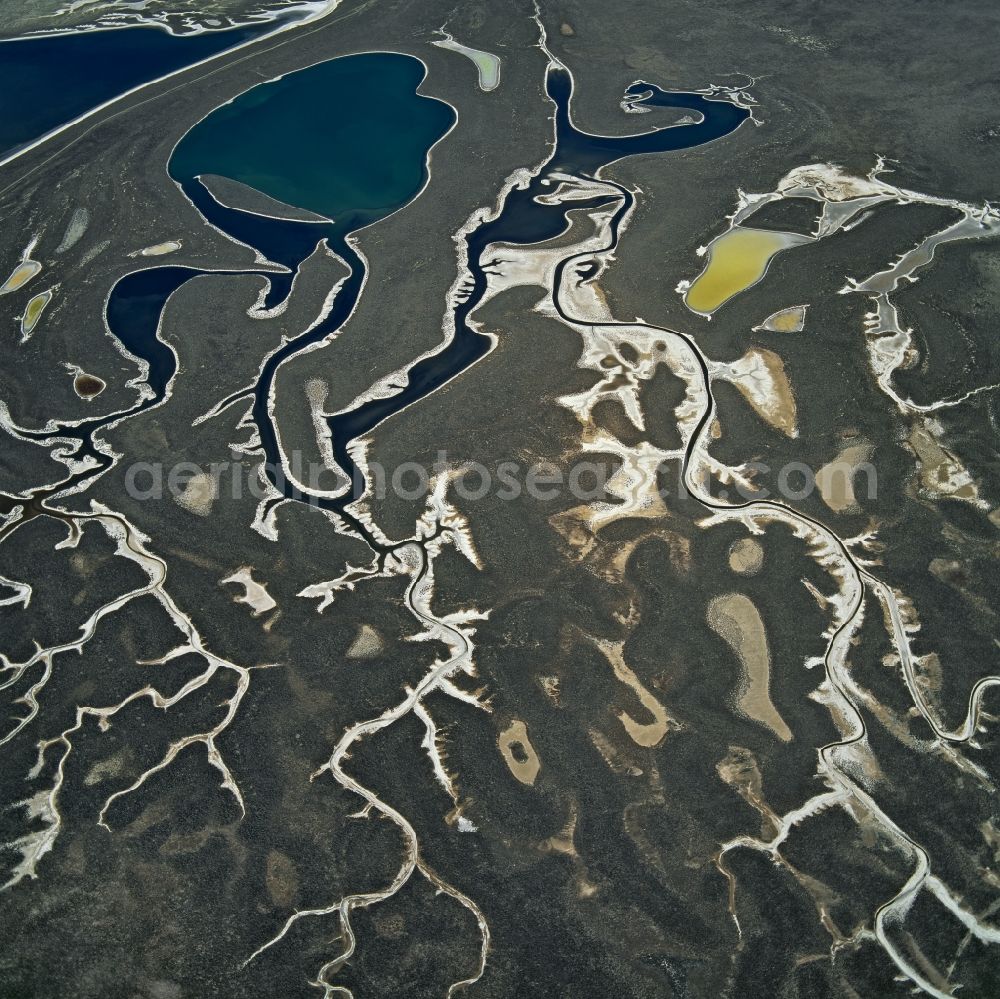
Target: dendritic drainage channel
(570,278)
(520,210)
(502,247)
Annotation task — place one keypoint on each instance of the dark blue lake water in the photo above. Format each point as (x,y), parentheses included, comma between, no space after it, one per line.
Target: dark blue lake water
(49,80)
(346,139)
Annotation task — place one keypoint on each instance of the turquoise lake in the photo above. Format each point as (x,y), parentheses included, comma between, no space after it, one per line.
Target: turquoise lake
(348,137)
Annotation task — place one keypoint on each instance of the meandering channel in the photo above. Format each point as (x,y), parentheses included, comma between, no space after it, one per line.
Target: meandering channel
(528,213)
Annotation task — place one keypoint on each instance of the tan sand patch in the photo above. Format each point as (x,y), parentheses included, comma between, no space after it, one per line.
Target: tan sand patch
(761,379)
(735,618)
(158,249)
(200,492)
(941,473)
(835,480)
(746,556)
(647,734)
(367,643)
(281,879)
(20,276)
(525,768)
